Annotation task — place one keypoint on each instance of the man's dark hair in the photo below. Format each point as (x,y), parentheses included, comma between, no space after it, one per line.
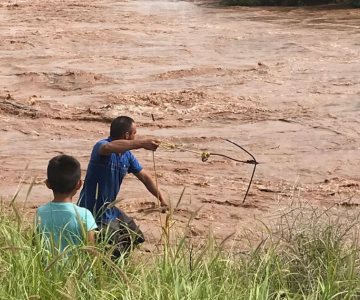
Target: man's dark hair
(63,174)
(120,126)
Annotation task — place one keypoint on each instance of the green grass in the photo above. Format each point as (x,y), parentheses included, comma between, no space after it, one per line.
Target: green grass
(308,254)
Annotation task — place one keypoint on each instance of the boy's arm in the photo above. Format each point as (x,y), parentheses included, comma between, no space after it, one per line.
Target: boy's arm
(120,146)
(35,232)
(90,227)
(91,237)
(149,183)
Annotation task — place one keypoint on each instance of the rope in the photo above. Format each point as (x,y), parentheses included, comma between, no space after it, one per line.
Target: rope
(206,155)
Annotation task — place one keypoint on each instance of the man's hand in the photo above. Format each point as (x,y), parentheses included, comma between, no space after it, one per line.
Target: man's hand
(150,184)
(150,144)
(163,202)
(164,205)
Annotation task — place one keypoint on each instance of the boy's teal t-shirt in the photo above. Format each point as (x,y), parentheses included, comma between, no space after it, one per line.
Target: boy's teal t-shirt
(64,223)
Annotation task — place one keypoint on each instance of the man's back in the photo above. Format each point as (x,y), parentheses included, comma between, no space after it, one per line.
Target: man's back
(64,223)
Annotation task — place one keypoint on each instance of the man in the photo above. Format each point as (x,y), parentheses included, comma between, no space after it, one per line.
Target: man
(110,161)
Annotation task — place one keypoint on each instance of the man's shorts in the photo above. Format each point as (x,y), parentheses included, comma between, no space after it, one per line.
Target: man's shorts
(122,234)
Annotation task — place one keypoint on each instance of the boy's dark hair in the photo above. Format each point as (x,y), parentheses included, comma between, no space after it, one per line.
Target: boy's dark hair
(63,174)
(120,126)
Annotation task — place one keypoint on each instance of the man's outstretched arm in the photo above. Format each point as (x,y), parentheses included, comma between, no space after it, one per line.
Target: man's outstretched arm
(120,146)
(150,184)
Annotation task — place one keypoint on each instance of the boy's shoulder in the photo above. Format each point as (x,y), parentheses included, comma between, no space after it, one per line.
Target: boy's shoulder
(64,205)
(82,209)
(43,206)
(86,217)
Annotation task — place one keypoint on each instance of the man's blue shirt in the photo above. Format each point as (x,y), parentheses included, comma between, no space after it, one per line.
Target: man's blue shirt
(103,179)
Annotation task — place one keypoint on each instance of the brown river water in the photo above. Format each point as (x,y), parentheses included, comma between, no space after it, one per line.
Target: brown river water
(282,82)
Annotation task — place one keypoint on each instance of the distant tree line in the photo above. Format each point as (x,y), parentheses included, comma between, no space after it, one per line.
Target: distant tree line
(354,3)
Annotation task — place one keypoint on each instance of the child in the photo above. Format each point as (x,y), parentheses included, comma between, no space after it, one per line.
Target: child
(61,222)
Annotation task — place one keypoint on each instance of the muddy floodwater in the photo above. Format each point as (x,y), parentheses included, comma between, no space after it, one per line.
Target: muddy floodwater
(283,83)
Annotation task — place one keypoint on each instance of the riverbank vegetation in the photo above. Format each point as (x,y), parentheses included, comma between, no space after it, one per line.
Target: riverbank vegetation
(309,254)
